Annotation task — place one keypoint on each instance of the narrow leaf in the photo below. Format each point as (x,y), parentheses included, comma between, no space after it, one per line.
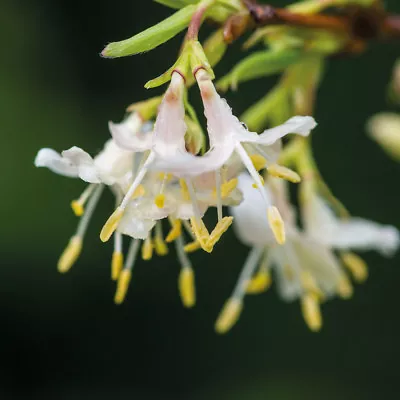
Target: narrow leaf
(151,37)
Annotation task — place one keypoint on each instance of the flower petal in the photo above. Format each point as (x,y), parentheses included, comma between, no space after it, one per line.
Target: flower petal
(362,234)
(250,217)
(84,164)
(298,124)
(128,135)
(52,160)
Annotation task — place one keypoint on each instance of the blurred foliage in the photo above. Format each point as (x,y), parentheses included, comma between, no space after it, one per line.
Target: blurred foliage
(62,336)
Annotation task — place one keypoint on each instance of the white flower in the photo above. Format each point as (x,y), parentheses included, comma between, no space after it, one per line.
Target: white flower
(305,266)
(227,138)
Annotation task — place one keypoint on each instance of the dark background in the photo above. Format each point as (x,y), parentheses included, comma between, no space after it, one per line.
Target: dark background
(62,337)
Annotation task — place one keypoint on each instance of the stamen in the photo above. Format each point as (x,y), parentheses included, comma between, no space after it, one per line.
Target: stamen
(186,284)
(73,250)
(219,196)
(311,311)
(111,225)
(221,227)
(116,265)
(160,198)
(229,315)
(233,307)
(176,230)
(228,187)
(147,248)
(159,245)
(356,266)
(78,205)
(344,288)
(276,224)
(198,227)
(159,201)
(258,161)
(192,247)
(70,254)
(126,274)
(259,283)
(279,171)
(117,257)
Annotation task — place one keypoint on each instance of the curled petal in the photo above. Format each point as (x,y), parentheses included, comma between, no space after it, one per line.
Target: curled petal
(298,124)
(72,163)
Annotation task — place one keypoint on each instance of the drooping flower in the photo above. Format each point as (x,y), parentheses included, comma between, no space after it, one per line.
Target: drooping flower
(228,138)
(306,266)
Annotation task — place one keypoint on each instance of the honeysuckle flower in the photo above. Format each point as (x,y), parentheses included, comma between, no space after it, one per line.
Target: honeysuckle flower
(306,267)
(227,138)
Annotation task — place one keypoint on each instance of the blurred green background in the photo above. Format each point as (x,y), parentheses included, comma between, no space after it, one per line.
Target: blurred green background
(63,338)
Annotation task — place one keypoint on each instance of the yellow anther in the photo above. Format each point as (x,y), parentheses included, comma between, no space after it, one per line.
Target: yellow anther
(139,192)
(111,225)
(77,208)
(229,315)
(311,311)
(163,176)
(147,249)
(310,285)
(221,227)
(159,201)
(187,288)
(70,254)
(202,235)
(276,224)
(175,231)
(184,190)
(344,288)
(228,187)
(116,264)
(255,185)
(191,247)
(258,161)
(259,283)
(122,286)
(160,247)
(280,171)
(356,266)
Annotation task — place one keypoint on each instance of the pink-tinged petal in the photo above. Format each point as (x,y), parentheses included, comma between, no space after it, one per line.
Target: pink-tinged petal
(170,128)
(128,135)
(221,123)
(299,125)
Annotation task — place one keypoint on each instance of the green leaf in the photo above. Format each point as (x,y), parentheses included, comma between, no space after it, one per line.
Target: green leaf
(151,37)
(259,64)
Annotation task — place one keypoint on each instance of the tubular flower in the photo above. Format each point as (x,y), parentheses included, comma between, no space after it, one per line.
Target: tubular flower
(306,267)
